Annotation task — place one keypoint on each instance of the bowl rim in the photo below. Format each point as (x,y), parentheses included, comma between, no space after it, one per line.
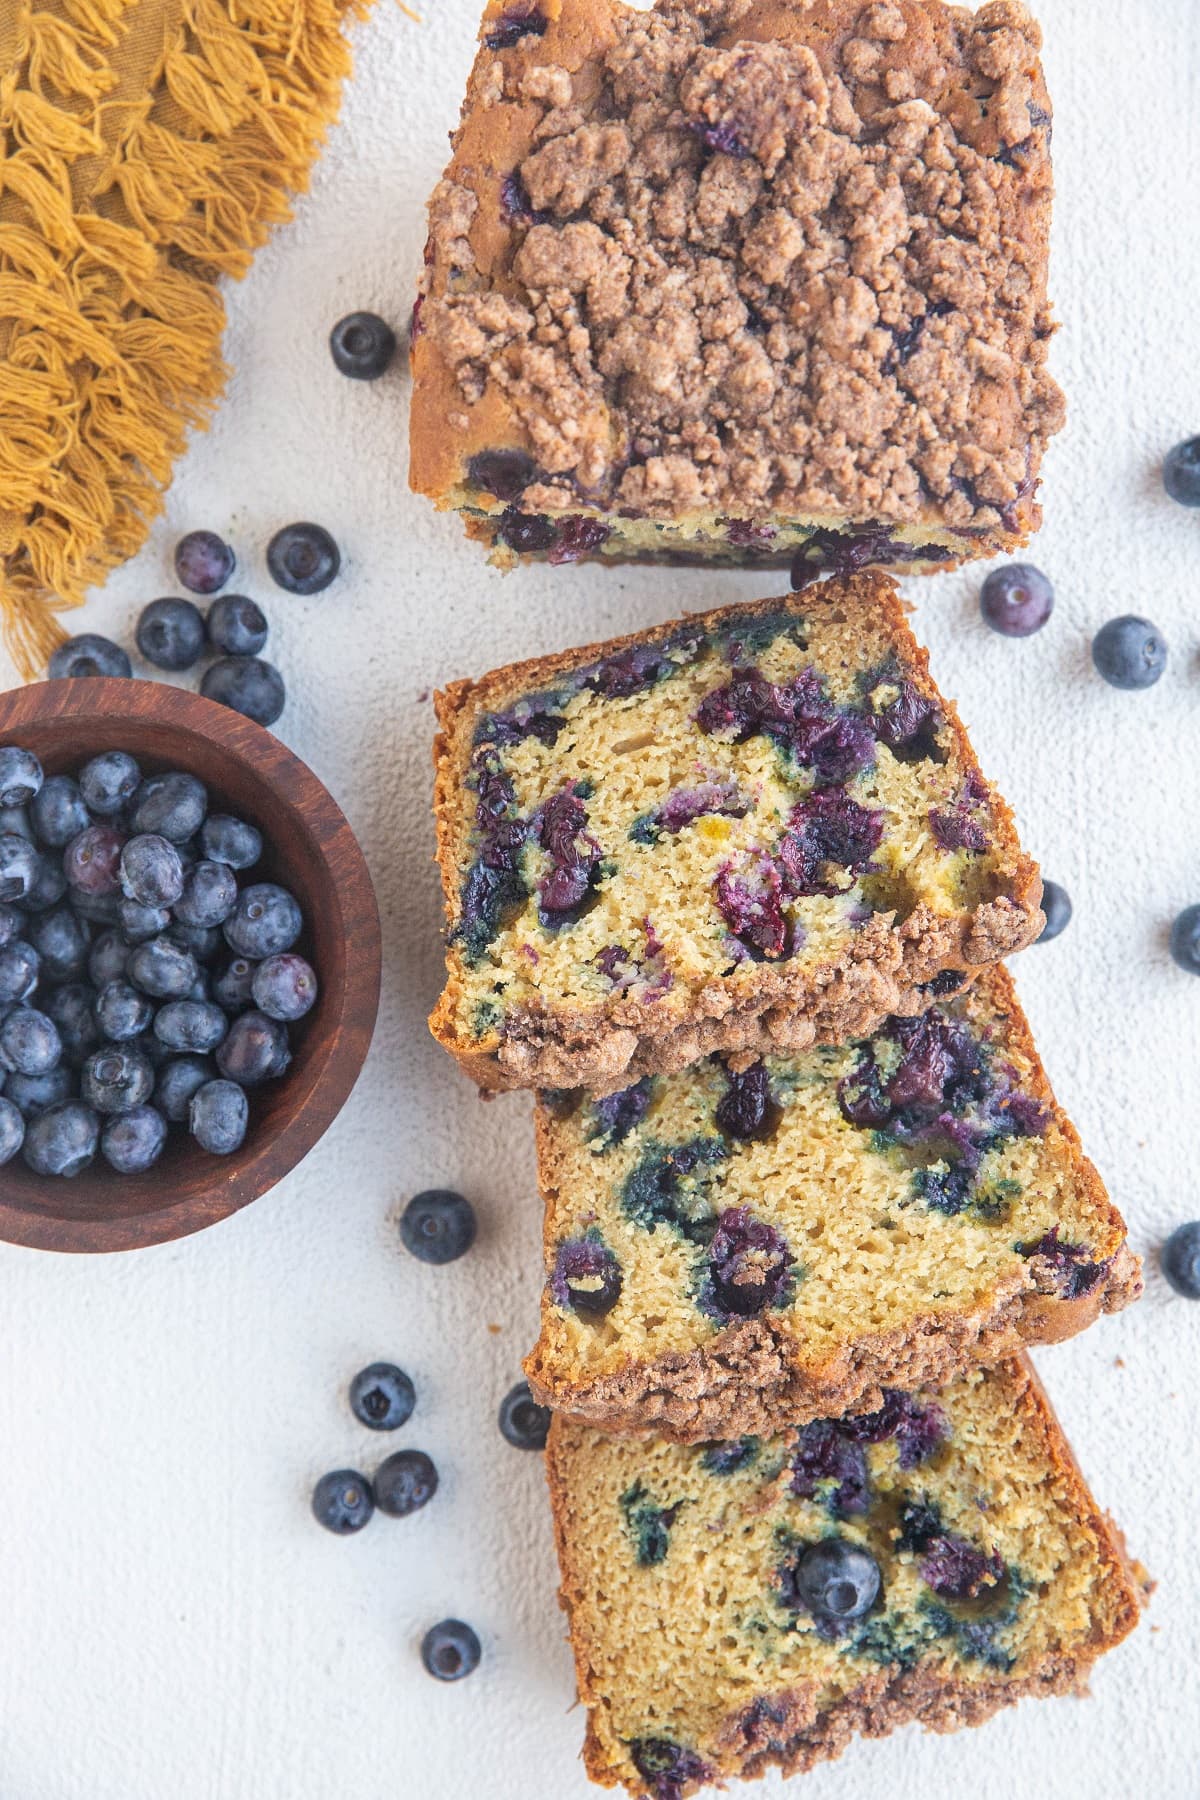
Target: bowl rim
(349,1030)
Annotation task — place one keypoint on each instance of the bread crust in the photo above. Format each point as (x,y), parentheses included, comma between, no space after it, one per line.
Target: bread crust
(804,1734)
(881,975)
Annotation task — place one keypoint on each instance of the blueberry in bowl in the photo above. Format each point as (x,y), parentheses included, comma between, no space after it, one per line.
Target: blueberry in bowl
(153,1093)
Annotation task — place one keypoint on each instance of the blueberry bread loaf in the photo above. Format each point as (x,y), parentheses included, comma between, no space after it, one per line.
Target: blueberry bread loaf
(749,280)
(753,830)
(734,1251)
(761,1600)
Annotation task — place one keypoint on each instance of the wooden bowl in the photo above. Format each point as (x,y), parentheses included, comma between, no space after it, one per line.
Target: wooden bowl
(309,848)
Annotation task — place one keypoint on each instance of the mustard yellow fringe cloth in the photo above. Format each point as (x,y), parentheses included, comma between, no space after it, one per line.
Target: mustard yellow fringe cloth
(146,148)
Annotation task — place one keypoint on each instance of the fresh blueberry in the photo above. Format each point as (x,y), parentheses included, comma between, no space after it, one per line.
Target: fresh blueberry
(342,1502)
(21,776)
(99,909)
(836,1581)
(49,885)
(12,1131)
(58,812)
(122,1013)
(108,959)
(88,654)
(163,969)
(32,1095)
(141,923)
(450,1650)
(19,968)
(404,1482)
(202,940)
(303,558)
(29,1042)
(522,1421)
(236,625)
(217,1117)
(171,806)
(247,685)
(1179,1258)
(438,1226)
(234,984)
(382,1397)
(20,864)
(17,820)
(265,922)
(209,896)
(284,987)
(203,562)
(61,941)
(1016,600)
(109,782)
(1129,652)
(1056,904)
(62,1140)
(194,1026)
(256,1050)
(151,871)
(1185,940)
(170,633)
(178,1079)
(116,1079)
(1181,472)
(12,923)
(362,345)
(134,1141)
(92,862)
(231,841)
(73,1009)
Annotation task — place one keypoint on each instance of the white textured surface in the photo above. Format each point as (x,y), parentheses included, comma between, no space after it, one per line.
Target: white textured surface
(173,1622)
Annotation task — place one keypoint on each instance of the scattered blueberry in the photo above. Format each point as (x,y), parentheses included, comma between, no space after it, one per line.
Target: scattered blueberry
(231,841)
(62,1140)
(58,812)
(134,1141)
(19,967)
(192,1026)
(523,1423)
(21,776)
(438,1226)
(342,1501)
(404,1482)
(1016,600)
(29,1042)
(1185,940)
(1129,652)
(171,806)
(303,558)
(217,1117)
(835,1580)
(265,922)
(247,685)
(1056,904)
(450,1650)
(116,1078)
(1181,472)
(203,562)
(382,1397)
(170,633)
(236,625)
(208,897)
(1179,1258)
(12,1131)
(178,1079)
(109,782)
(92,861)
(86,655)
(122,1013)
(284,987)
(19,866)
(362,345)
(163,969)
(255,1050)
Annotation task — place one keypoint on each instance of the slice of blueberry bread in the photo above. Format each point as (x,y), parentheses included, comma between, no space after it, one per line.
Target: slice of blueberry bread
(741,1246)
(752,830)
(760,1601)
(752,281)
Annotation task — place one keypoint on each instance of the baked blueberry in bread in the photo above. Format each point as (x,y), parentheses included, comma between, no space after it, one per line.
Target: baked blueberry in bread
(749,831)
(761,1601)
(743,1246)
(754,281)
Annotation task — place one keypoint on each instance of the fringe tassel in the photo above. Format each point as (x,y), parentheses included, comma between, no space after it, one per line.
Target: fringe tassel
(149,147)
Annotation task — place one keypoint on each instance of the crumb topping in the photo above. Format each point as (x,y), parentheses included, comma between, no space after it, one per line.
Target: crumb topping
(707,264)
